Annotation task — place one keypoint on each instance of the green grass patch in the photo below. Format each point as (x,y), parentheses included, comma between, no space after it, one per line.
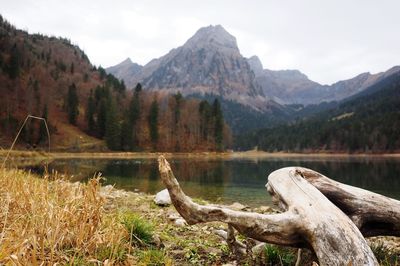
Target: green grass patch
(154,257)
(140,230)
(275,255)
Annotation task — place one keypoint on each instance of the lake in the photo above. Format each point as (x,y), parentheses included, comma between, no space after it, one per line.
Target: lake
(230,180)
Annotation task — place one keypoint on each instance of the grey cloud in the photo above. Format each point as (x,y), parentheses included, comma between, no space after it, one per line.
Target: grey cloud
(327,40)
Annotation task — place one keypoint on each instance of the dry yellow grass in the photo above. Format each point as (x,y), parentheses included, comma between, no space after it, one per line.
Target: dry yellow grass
(47,222)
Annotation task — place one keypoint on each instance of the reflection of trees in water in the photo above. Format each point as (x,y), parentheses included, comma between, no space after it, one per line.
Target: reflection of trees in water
(201,171)
(202,178)
(72,169)
(133,174)
(376,175)
(223,178)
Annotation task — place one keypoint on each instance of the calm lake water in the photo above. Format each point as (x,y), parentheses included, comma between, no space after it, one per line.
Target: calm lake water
(227,181)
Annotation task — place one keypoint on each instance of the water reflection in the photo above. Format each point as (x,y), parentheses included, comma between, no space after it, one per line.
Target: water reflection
(232,180)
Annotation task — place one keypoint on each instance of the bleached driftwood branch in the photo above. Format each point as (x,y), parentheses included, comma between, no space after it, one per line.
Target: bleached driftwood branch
(374,214)
(310,219)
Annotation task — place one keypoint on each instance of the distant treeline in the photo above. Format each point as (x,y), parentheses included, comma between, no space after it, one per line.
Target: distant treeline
(368,122)
(154,121)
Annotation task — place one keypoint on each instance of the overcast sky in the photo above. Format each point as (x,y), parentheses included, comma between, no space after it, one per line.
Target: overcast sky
(327,40)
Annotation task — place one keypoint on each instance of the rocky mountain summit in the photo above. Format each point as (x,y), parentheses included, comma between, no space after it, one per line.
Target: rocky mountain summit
(209,63)
(126,69)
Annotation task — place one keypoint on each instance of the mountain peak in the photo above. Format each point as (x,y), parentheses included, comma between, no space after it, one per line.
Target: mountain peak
(255,65)
(212,36)
(127,61)
(125,70)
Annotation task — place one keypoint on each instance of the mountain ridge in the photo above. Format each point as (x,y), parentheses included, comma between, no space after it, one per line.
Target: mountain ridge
(210,62)
(294,87)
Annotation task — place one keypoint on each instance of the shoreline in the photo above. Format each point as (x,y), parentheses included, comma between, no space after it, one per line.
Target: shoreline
(173,240)
(199,155)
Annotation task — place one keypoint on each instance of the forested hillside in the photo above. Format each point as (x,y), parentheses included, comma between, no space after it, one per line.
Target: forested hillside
(155,121)
(242,119)
(88,109)
(368,122)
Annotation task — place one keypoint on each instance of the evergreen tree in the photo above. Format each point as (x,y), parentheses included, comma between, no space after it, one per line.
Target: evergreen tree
(1,62)
(177,115)
(113,130)
(205,116)
(72,104)
(134,113)
(42,129)
(102,72)
(127,135)
(134,107)
(102,118)
(153,122)
(90,111)
(122,86)
(14,63)
(36,90)
(218,125)
(138,88)
(177,111)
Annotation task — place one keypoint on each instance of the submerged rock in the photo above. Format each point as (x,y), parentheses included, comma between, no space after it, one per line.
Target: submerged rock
(162,198)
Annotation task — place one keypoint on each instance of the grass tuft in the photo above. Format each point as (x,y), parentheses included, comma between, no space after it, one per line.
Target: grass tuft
(154,257)
(275,255)
(141,231)
(385,256)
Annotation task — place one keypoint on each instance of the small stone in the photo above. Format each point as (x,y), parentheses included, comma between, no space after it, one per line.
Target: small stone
(157,241)
(222,233)
(264,209)
(173,217)
(178,253)
(237,206)
(213,250)
(180,222)
(162,198)
(233,263)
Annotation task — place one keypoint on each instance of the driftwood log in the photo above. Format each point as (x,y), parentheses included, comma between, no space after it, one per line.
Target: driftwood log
(374,214)
(310,219)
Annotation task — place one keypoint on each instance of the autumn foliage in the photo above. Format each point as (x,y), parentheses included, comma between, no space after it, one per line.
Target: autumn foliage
(41,75)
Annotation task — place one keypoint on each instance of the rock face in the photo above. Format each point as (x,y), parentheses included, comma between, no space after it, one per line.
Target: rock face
(283,86)
(292,86)
(208,63)
(126,70)
(162,198)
